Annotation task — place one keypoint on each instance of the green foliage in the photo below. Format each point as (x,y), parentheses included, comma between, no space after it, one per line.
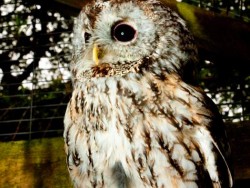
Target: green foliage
(188,13)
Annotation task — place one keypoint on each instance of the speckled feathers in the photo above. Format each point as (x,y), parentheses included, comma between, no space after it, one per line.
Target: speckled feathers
(134,120)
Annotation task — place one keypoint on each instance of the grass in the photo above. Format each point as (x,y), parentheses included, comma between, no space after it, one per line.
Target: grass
(35,163)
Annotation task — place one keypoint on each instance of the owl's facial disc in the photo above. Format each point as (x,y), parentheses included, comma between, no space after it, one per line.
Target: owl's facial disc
(122,33)
(108,35)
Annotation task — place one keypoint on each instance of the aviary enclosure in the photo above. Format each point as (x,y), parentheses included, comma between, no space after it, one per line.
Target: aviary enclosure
(35,46)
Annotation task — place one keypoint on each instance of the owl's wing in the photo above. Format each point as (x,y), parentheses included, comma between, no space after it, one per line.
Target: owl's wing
(221,146)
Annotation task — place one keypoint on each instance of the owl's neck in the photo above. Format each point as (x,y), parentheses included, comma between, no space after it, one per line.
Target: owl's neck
(115,70)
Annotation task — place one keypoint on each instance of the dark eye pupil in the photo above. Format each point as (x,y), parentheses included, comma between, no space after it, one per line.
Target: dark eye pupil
(123,32)
(87,37)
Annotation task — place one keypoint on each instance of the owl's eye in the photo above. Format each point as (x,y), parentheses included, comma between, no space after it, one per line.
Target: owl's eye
(87,37)
(123,32)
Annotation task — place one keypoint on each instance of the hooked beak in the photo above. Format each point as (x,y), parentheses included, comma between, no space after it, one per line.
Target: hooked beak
(96,54)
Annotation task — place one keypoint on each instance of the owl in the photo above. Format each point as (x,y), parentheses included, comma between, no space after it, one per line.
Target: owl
(135,119)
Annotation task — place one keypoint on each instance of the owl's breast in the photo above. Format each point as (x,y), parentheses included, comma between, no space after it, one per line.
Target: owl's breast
(100,123)
(144,126)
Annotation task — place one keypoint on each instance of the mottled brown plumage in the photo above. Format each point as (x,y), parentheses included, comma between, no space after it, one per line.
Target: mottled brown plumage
(134,120)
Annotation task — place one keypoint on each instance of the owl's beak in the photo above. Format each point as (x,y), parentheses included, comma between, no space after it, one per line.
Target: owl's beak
(96,54)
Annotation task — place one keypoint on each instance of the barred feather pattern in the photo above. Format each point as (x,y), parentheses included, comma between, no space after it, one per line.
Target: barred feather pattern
(140,131)
(134,121)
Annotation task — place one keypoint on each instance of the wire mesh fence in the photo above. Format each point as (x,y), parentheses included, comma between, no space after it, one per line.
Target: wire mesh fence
(35,83)
(35,86)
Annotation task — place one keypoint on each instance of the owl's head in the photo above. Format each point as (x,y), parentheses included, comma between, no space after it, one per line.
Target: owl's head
(118,37)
